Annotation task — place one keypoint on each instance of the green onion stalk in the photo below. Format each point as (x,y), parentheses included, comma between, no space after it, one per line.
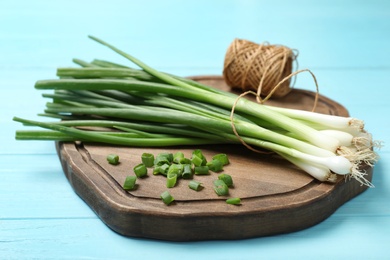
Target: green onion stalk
(105,102)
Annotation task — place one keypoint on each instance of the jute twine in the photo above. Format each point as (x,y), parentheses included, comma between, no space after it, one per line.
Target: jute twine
(264,68)
(249,65)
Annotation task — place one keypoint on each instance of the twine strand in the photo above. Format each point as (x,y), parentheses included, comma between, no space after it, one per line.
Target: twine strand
(262,101)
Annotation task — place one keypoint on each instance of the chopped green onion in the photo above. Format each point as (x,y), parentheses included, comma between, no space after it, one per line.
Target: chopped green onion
(222,157)
(176,169)
(168,155)
(196,160)
(215,165)
(220,188)
(147,159)
(186,161)
(201,170)
(140,170)
(198,153)
(226,178)
(195,185)
(167,197)
(187,171)
(129,183)
(113,159)
(233,201)
(161,169)
(171,180)
(161,159)
(178,157)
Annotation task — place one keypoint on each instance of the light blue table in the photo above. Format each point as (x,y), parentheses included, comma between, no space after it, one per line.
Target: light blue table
(345,43)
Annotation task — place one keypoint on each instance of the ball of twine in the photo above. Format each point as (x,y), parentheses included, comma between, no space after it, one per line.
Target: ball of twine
(259,67)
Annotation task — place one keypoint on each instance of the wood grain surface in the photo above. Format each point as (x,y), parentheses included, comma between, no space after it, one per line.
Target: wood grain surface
(276,196)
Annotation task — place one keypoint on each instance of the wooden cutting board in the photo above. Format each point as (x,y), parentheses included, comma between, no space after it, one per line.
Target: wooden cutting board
(276,196)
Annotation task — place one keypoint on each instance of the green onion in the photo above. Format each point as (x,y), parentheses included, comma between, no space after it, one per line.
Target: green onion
(195,185)
(148,108)
(161,169)
(171,180)
(226,178)
(222,157)
(187,171)
(215,165)
(140,170)
(233,201)
(220,188)
(197,161)
(113,159)
(147,159)
(167,197)
(129,183)
(201,170)
(176,169)
(178,157)
(162,158)
(198,154)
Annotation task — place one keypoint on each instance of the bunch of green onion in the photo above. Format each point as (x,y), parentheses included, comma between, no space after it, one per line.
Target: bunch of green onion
(105,102)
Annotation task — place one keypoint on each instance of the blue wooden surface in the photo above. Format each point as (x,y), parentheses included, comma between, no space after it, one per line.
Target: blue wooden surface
(345,43)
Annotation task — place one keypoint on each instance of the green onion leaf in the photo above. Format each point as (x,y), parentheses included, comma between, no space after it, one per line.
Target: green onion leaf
(129,183)
(171,180)
(196,160)
(233,201)
(226,178)
(163,158)
(201,170)
(222,157)
(140,170)
(187,171)
(161,169)
(215,165)
(147,159)
(195,185)
(178,157)
(176,169)
(113,159)
(221,188)
(198,154)
(167,197)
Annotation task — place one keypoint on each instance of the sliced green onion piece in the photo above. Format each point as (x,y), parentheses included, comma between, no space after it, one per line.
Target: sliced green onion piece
(178,157)
(196,160)
(233,201)
(169,156)
(198,153)
(161,169)
(113,159)
(201,170)
(129,183)
(187,171)
(167,197)
(195,185)
(226,178)
(147,159)
(140,170)
(221,188)
(176,169)
(161,159)
(186,161)
(222,157)
(171,180)
(215,165)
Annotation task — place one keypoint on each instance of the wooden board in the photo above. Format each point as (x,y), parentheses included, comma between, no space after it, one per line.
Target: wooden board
(276,196)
